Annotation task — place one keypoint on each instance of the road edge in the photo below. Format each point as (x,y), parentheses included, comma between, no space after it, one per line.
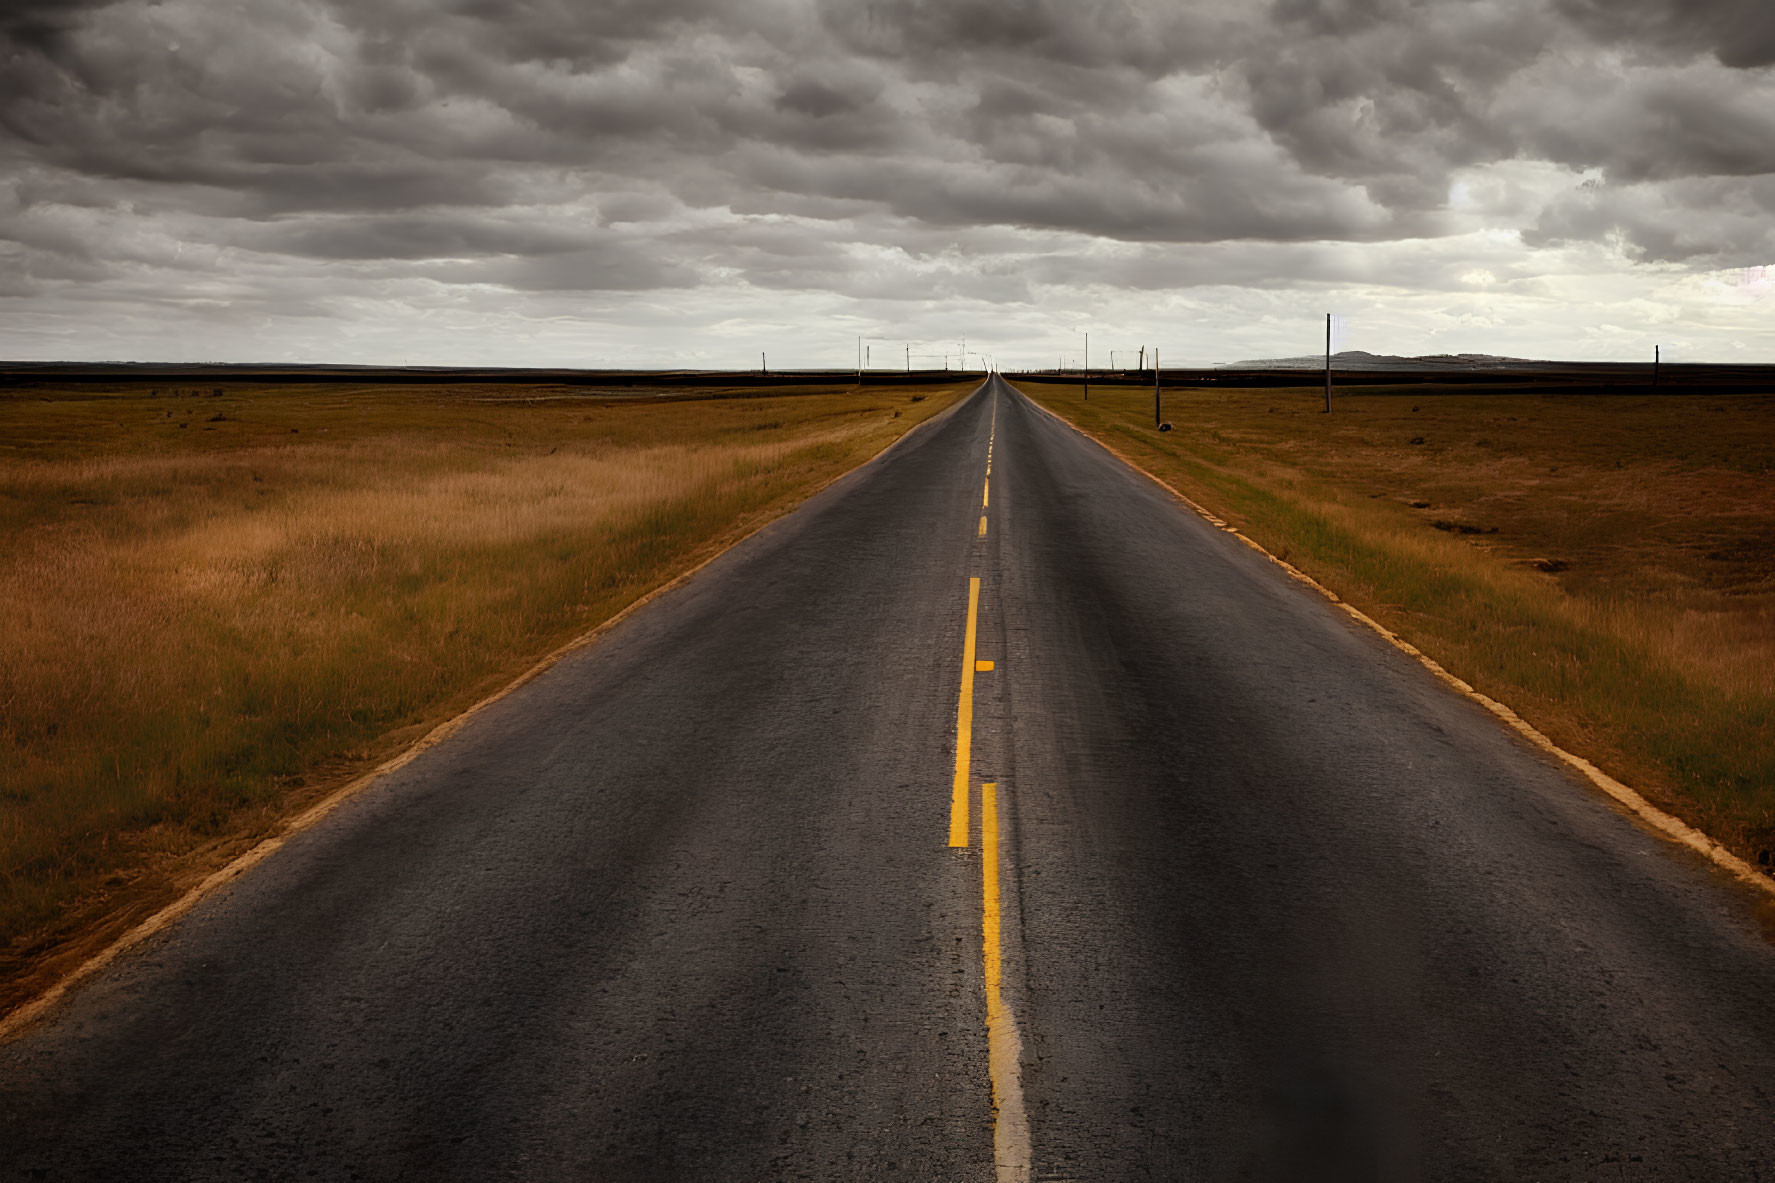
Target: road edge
(15,1021)
(1668,825)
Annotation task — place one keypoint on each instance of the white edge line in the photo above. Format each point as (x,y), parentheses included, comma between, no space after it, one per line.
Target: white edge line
(26,1013)
(1671,826)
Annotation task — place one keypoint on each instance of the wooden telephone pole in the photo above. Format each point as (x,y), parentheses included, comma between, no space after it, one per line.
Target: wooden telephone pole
(1158,408)
(1328,363)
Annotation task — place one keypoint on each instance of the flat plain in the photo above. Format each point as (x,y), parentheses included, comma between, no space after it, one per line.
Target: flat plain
(225,601)
(1270,901)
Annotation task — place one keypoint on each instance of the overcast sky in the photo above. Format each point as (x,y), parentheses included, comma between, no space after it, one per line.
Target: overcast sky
(688,182)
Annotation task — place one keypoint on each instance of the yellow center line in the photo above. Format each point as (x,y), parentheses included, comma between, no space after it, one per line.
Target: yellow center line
(964,725)
(991,439)
(1004,1046)
(1010,1124)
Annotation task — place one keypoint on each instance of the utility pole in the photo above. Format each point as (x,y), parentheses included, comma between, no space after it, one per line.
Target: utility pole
(909,358)
(1657,357)
(868,351)
(762,368)
(1158,408)
(1328,363)
(1142,358)
(1087,367)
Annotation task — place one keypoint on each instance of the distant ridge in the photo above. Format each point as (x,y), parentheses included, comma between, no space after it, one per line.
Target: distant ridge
(1358,359)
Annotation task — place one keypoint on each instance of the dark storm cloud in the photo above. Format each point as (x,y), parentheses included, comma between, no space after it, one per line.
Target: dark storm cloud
(1740,33)
(549,145)
(1713,215)
(1389,91)
(42,26)
(415,236)
(1674,126)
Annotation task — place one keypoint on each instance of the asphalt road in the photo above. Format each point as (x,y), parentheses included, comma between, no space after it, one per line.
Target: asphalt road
(1271,903)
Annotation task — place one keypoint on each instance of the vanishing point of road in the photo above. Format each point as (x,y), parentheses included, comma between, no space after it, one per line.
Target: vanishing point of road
(955,827)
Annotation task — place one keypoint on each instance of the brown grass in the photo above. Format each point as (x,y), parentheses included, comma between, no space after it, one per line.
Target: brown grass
(218,608)
(1603,563)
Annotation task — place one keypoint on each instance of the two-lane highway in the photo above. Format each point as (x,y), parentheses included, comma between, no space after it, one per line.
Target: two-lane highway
(957,826)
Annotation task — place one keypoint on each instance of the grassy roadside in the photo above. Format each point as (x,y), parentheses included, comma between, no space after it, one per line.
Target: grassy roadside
(1604,564)
(222,606)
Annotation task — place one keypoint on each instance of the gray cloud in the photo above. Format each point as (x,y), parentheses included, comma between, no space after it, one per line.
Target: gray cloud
(42,26)
(415,236)
(1740,33)
(1674,124)
(853,147)
(616,266)
(1729,218)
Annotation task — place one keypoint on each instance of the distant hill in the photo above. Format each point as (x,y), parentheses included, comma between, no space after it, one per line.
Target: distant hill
(1358,359)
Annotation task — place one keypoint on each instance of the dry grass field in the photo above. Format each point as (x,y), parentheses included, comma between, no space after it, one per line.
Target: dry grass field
(1603,563)
(219,606)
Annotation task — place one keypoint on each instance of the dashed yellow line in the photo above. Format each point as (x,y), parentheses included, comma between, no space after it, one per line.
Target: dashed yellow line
(986,489)
(1004,1046)
(1010,1123)
(964,725)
